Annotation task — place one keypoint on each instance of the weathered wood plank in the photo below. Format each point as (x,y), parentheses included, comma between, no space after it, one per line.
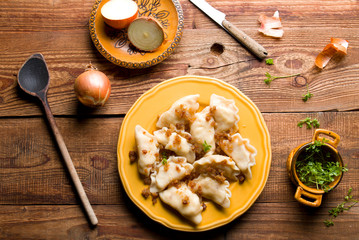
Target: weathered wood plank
(334,88)
(32,172)
(125,221)
(293,221)
(294,14)
(33,16)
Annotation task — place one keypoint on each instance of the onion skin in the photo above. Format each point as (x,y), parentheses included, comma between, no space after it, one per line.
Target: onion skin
(92,88)
(336,45)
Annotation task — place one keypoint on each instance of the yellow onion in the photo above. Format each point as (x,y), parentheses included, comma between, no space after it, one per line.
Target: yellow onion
(146,34)
(92,87)
(119,13)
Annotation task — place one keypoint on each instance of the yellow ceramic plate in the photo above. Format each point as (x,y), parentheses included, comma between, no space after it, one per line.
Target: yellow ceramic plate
(159,99)
(114,44)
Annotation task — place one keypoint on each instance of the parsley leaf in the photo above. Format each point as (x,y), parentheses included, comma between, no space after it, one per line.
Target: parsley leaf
(269,61)
(307,95)
(329,223)
(315,123)
(206,147)
(270,78)
(309,122)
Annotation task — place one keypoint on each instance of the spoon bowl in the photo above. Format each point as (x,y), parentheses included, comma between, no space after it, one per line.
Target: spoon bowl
(33,78)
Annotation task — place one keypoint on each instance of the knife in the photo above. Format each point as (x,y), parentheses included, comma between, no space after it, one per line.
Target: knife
(220,18)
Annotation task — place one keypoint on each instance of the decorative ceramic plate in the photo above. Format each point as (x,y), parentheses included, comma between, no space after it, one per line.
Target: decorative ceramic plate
(114,44)
(145,111)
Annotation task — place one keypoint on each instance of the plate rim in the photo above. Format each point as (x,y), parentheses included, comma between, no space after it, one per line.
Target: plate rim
(267,153)
(136,65)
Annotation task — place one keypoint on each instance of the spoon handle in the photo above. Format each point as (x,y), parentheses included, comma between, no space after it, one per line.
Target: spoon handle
(69,164)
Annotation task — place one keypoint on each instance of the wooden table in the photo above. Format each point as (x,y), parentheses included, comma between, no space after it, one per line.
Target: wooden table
(37,199)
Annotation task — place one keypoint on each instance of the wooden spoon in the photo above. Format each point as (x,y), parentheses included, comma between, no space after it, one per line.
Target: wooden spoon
(34,79)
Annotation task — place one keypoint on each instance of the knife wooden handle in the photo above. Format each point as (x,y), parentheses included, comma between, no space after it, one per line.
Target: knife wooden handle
(257,49)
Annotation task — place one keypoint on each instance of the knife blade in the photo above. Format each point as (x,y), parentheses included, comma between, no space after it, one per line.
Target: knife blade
(220,18)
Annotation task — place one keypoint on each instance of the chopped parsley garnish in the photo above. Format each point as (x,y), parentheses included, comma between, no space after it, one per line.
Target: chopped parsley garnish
(317,168)
(334,212)
(270,78)
(206,147)
(269,61)
(309,122)
(164,158)
(307,95)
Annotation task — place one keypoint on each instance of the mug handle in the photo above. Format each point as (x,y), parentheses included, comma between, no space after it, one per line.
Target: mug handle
(334,142)
(317,198)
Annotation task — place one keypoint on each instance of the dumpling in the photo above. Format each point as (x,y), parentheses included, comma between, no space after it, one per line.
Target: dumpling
(202,129)
(241,152)
(148,151)
(181,112)
(212,189)
(187,203)
(217,164)
(176,143)
(176,168)
(225,113)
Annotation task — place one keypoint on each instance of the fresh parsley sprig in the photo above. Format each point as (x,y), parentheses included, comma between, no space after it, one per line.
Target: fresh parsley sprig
(164,158)
(315,146)
(309,122)
(316,168)
(334,212)
(307,95)
(270,78)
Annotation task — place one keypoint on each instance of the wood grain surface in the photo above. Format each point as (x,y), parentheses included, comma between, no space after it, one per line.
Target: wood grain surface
(37,199)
